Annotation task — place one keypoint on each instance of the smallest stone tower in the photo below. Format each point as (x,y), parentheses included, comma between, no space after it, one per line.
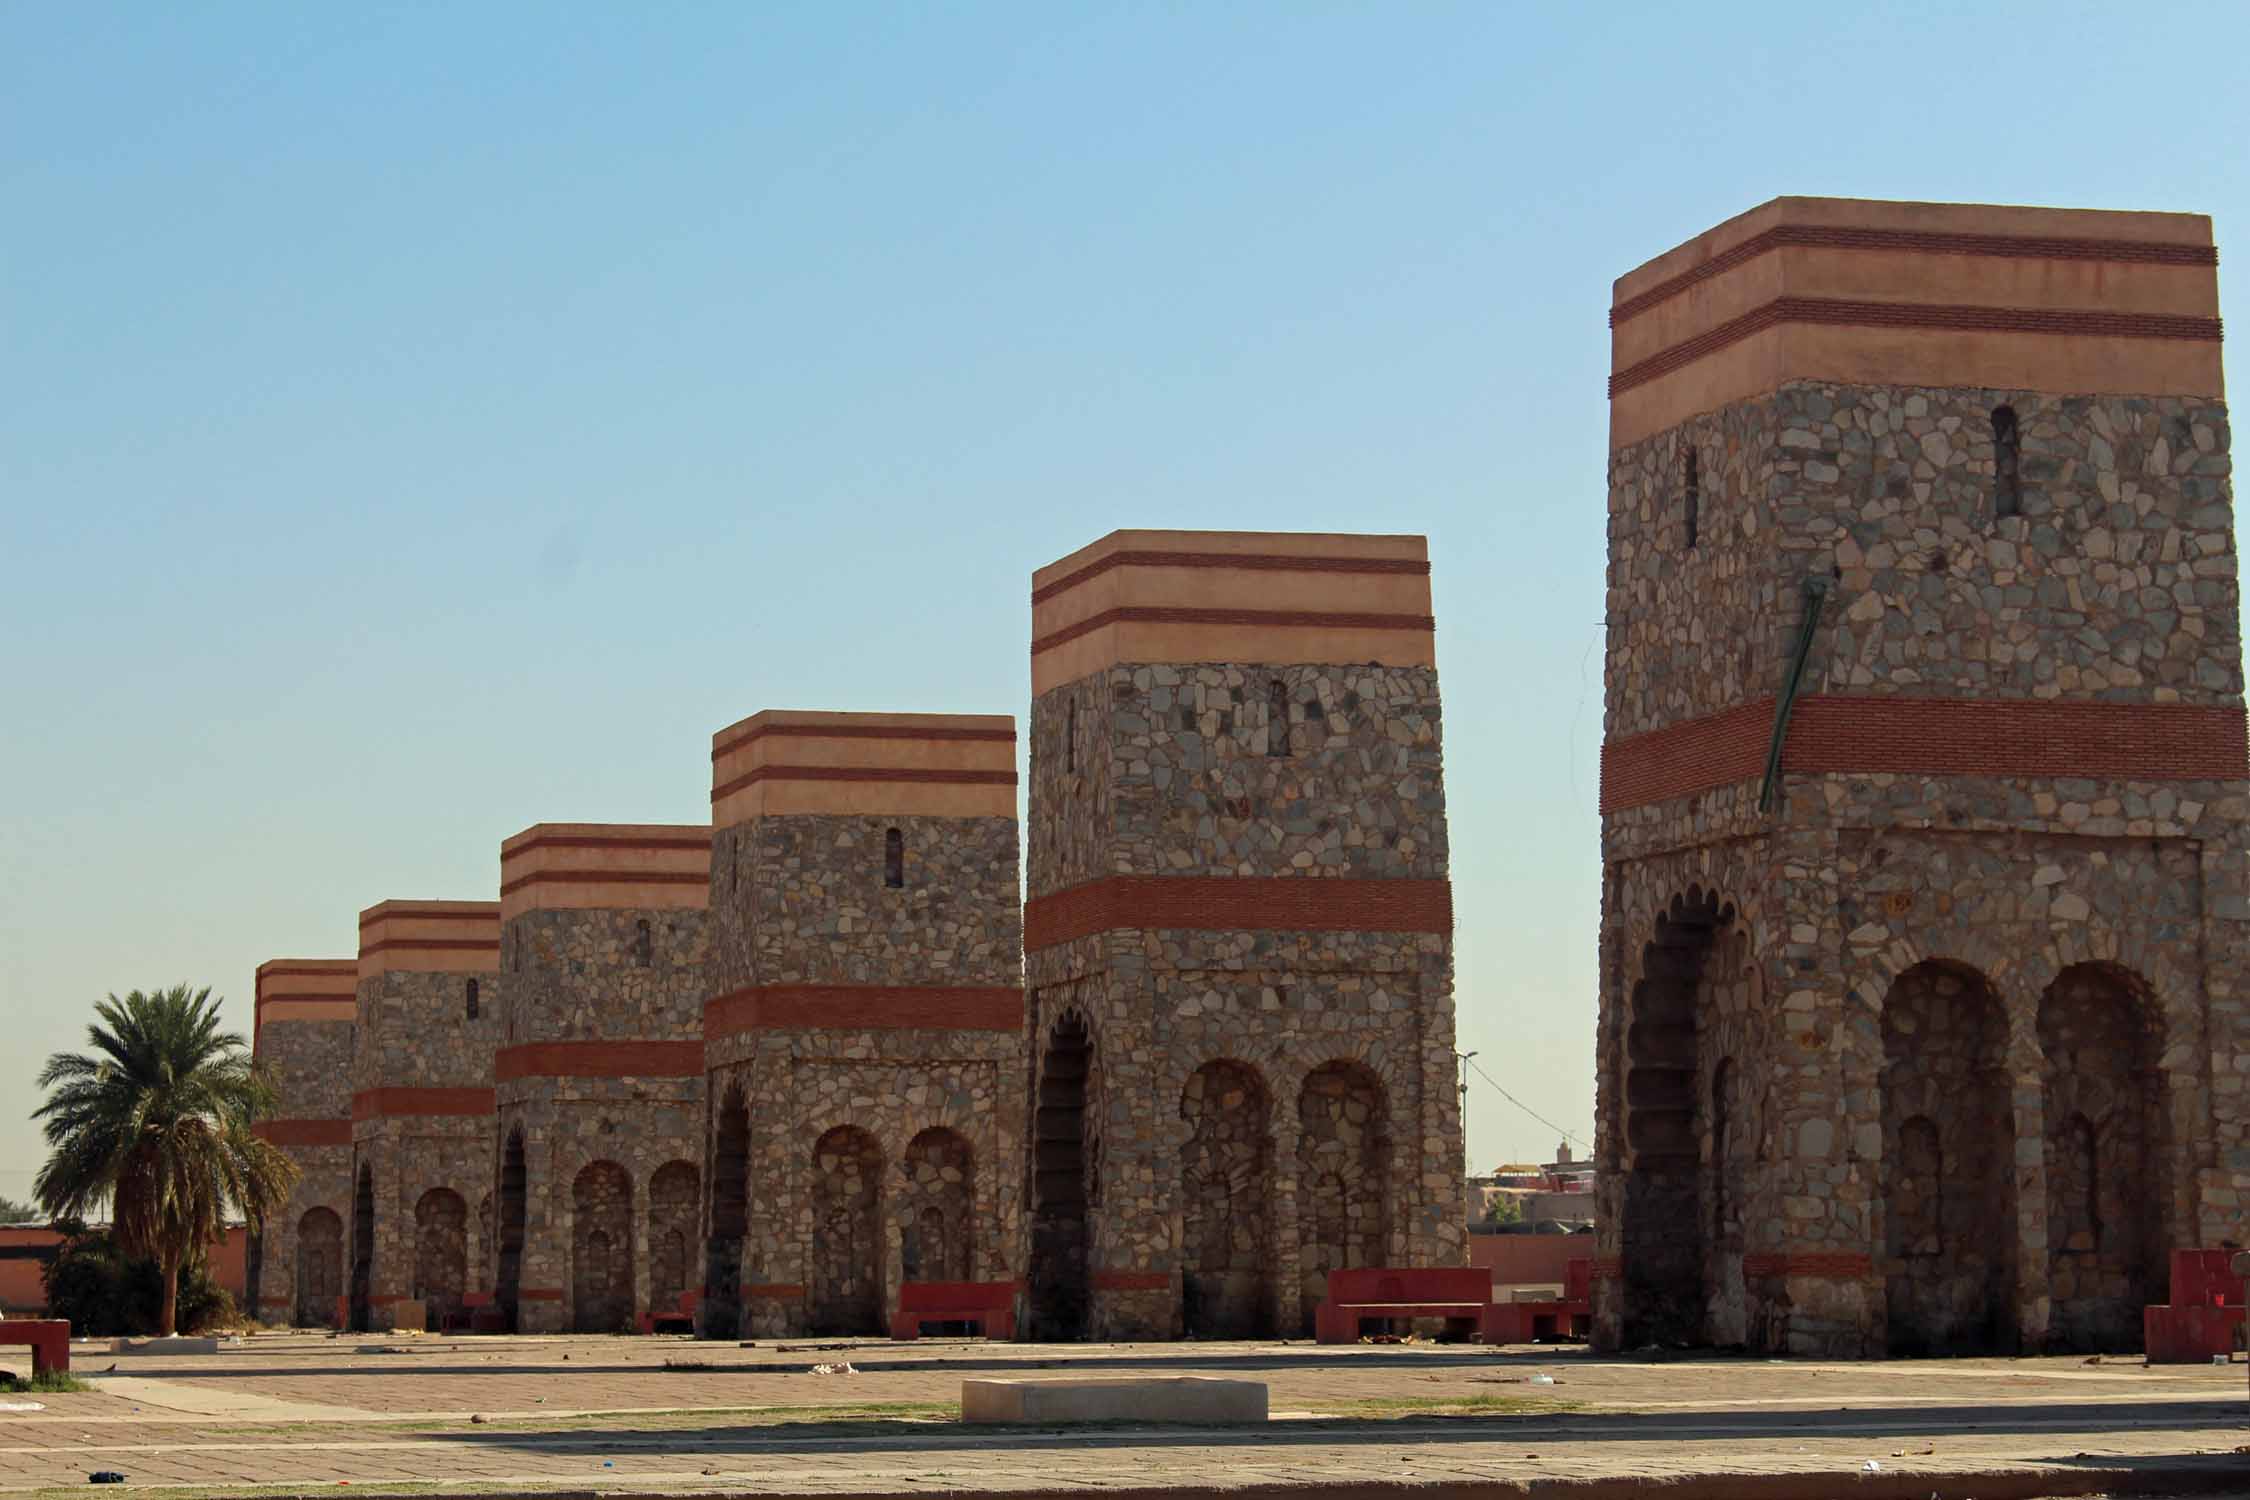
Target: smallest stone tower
(302,1038)
(600,1072)
(422,1109)
(864,1042)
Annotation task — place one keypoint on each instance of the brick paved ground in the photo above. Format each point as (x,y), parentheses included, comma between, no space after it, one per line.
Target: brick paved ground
(303,1412)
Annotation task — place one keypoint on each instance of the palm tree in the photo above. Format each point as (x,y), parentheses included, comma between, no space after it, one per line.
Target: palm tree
(156,1119)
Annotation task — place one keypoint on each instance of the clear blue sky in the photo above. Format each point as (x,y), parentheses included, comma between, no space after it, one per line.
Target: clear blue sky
(420,421)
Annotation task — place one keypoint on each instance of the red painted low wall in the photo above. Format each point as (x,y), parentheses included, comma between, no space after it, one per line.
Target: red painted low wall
(1517,1259)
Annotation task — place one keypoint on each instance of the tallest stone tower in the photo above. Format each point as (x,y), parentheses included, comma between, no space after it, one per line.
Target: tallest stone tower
(1923,977)
(1239,934)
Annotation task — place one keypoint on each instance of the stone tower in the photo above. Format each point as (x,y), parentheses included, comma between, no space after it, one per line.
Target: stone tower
(599,1073)
(1239,934)
(1922,967)
(422,1110)
(864,1039)
(302,1038)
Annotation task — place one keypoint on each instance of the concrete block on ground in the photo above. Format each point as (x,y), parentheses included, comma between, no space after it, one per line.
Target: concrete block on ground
(1198,1399)
(164,1346)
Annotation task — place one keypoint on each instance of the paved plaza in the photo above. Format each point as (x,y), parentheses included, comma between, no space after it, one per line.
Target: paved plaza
(296,1413)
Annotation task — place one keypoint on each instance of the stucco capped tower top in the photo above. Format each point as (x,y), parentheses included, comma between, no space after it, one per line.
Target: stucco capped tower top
(422,1108)
(1239,936)
(302,1038)
(1922,783)
(599,1073)
(865,1036)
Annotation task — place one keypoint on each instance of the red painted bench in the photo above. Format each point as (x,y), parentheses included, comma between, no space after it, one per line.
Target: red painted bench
(1461,1295)
(463,1319)
(990,1305)
(49,1339)
(1569,1317)
(679,1319)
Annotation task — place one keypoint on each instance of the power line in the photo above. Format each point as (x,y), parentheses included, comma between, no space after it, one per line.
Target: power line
(1527,1109)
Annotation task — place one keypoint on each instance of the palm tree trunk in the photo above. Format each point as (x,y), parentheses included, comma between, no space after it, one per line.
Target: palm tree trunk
(170,1320)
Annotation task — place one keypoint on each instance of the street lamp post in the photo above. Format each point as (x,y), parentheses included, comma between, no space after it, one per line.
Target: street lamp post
(1466,1157)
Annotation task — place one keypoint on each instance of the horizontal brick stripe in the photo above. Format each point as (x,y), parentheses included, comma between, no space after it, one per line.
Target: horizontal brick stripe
(329,997)
(1237,904)
(395,1103)
(584,841)
(1132,1281)
(930,776)
(864,1007)
(1842,312)
(859,732)
(304,1132)
(598,1059)
(401,910)
(1838,1265)
(606,877)
(324,967)
(783,1291)
(1311,619)
(1256,562)
(480,945)
(1845,734)
(1917,241)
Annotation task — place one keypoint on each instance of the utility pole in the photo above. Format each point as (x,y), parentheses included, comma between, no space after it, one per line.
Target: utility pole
(1466,1157)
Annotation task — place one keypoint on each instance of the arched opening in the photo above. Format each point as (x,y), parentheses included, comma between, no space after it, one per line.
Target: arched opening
(1663,1230)
(363,1245)
(441,1252)
(1064,1182)
(508,1283)
(2107,1153)
(1344,1163)
(846,1295)
(1693,505)
(936,1209)
(720,1315)
(320,1267)
(894,858)
(1277,718)
(1949,1200)
(1226,1174)
(2007,463)
(601,1243)
(673,1199)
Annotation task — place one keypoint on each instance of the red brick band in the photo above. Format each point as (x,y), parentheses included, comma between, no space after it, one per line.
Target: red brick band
(481,945)
(859,732)
(1152,614)
(1868,735)
(685,840)
(863,1007)
(598,1059)
(1917,241)
(1237,904)
(395,1103)
(304,1132)
(1132,1281)
(1842,312)
(607,877)
(402,911)
(1256,562)
(347,997)
(1833,1265)
(783,1291)
(863,773)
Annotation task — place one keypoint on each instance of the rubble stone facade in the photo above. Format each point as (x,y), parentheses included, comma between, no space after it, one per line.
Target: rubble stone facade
(864,1036)
(599,1073)
(302,1039)
(1924,1009)
(423,1110)
(1239,932)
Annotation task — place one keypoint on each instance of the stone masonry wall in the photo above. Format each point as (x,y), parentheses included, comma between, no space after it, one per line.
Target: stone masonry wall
(309,1064)
(2116,583)
(801,901)
(1170,770)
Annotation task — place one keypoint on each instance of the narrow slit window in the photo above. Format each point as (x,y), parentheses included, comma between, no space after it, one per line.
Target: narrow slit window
(1070,738)
(644,944)
(472,1000)
(894,859)
(2007,463)
(1277,718)
(1694,503)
